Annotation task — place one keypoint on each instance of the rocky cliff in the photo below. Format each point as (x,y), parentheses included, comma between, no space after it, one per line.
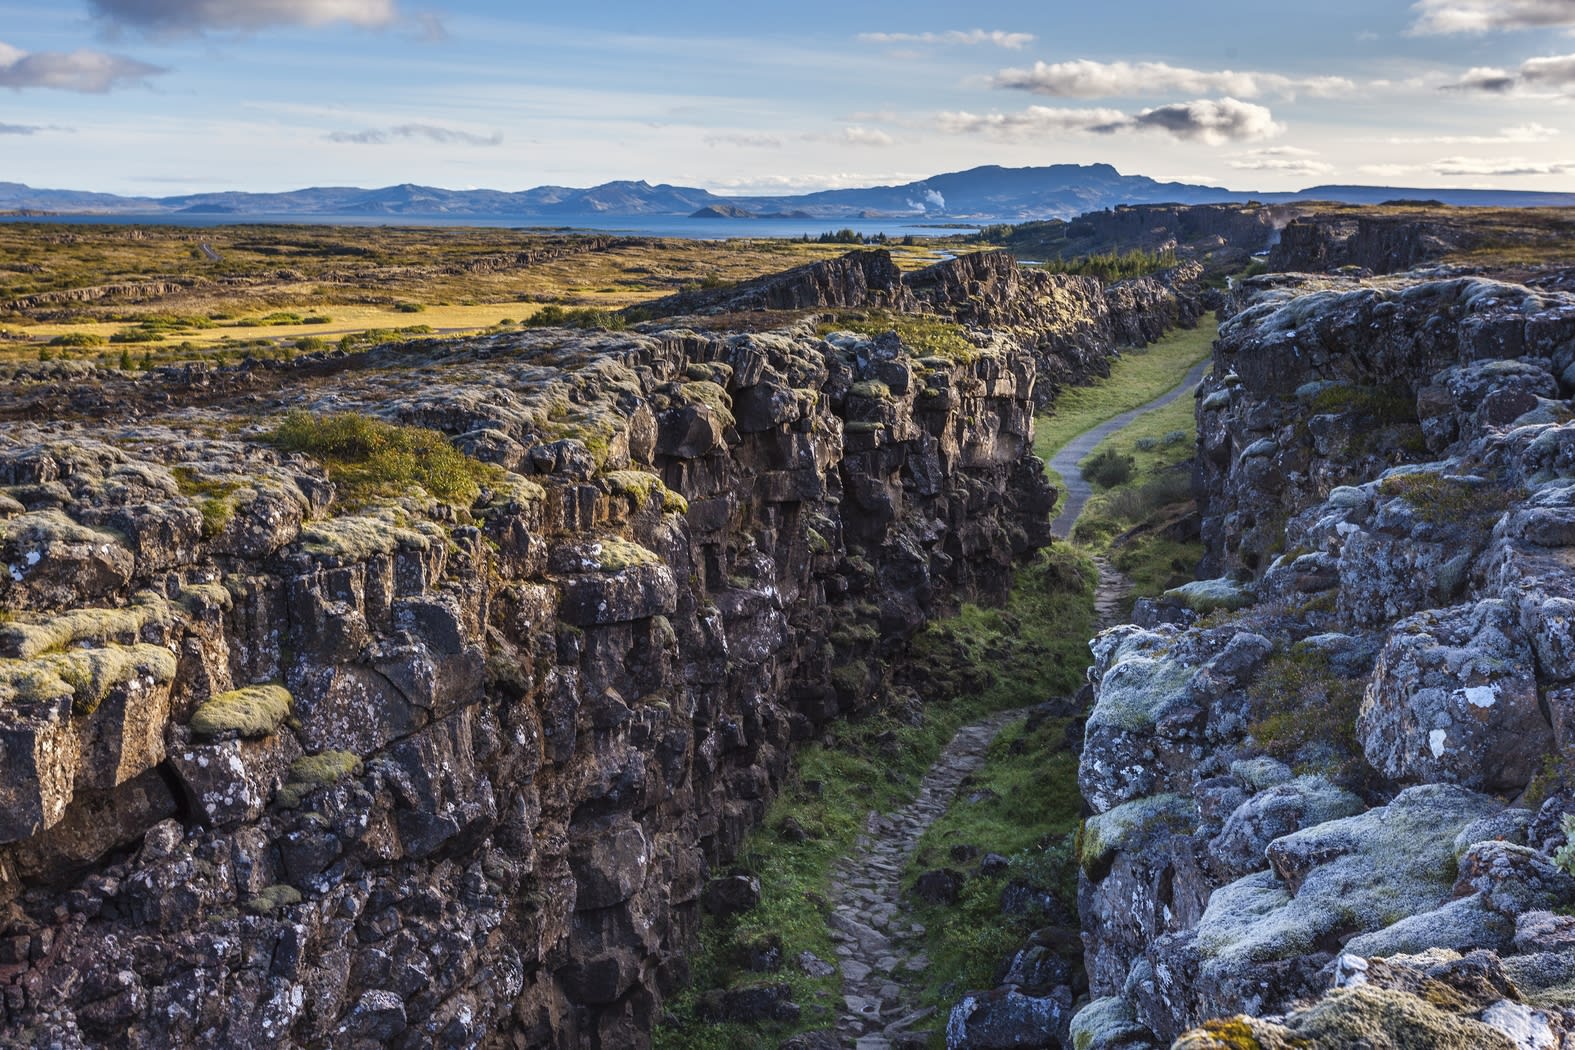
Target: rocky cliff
(1328,787)
(294,758)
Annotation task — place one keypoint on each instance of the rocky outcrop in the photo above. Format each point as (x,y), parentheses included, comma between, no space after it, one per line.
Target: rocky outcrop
(1380,244)
(291,760)
(1352,767)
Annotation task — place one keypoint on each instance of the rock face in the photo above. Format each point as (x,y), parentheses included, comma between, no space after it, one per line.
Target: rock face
(280,770)
(1380,244)
(1070,324)
(1353,762)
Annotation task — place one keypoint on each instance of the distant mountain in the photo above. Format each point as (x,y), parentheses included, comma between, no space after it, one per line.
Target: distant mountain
(984,194)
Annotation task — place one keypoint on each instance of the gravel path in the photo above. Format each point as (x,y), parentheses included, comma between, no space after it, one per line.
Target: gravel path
(1065,461)
(879,945)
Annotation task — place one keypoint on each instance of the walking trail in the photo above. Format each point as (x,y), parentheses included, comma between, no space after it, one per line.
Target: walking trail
(1073,452)
(879,945)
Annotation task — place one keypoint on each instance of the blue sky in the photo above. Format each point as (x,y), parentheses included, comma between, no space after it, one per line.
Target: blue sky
(163,97)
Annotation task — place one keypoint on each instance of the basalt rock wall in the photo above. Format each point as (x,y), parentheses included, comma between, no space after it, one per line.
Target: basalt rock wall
(1327,786)
(281,770)
(1071,325)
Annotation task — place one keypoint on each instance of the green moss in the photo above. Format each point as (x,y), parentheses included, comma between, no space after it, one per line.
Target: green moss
(311,772)
(863,427)
(356,537)
(1440,500)
(85,675)
(873,389)
(704,392)
(920,336)
(27,640)
(273,898)
(615,554)
(1297,700)
(642,486)
(1392,1020)
(214,498)
(253,711)
(1127,824)
(367,457)
(1379,403)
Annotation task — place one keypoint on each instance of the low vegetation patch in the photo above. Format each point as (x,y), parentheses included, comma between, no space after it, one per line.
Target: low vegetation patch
(1300,706)
(256,710)
(1439,499)
(1113,265)
(922,336)
(367,457)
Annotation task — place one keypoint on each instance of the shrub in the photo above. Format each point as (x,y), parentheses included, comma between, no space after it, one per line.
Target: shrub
(137,335)
(1109,468)
(77,339)
(367,457)
(409,308)
(554,316)
(1146,444)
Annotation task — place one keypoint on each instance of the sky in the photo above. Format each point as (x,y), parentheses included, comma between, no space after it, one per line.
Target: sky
(166,97)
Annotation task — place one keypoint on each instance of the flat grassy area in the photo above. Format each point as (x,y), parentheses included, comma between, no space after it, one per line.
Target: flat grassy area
(1137,378)
(978,661)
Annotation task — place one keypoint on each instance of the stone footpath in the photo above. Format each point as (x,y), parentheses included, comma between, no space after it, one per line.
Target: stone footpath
(1109,593)
(879,945)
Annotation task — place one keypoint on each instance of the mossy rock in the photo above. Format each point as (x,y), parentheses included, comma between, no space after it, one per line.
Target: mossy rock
(1206,596)
(311,772)
(85,675)
(710,395)
(273,898)
(1125,826)
(615,554)
(27,640)
(255,711)
(873,389)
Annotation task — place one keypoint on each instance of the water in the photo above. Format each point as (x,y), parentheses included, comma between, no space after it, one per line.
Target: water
(625,225)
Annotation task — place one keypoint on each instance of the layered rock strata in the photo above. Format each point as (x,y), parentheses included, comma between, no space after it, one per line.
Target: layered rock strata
(1337,766)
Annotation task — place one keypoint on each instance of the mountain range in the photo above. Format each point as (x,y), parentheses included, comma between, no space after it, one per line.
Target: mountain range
(988,193)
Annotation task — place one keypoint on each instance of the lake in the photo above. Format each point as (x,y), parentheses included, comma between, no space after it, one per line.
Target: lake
(627,225)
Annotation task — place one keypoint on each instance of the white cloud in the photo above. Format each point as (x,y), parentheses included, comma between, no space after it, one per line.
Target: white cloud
(1521,133)
(743,140)
(1553,73)
(740,185)
(994,37)
(1500,166)
(1482,16)
(862,136)
(1085,78)
(430,132)
(1031,122)
(194,16)
(94,72)
(1288,160)
(1211,121)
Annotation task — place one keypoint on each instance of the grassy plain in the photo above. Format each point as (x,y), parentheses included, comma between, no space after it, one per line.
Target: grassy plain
(274,287)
